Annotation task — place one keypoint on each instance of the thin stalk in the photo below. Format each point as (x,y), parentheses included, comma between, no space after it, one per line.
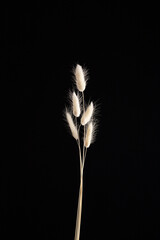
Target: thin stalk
(79,148)
(84,159)
(80,157)
(79,211)
(79,208)
(84,129)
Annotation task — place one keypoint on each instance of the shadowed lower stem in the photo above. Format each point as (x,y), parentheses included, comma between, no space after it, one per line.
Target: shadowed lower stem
(79,211)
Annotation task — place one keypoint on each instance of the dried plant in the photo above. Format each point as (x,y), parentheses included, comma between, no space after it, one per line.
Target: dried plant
(77,116)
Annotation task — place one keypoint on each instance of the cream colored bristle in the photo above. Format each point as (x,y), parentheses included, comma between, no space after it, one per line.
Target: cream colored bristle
(89,135)
(72,126)
(76,105)
(87,114)
(80,78)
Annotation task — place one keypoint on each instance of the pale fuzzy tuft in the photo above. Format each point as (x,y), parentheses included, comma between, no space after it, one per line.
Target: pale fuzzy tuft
(80,74)
(89,135)
(87,114)
(72,126)
(91,132)
(76,105)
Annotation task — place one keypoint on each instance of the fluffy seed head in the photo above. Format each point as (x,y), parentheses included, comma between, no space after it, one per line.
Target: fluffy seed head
(76,105)
(87,114)
(89,135)
(72,126)
(80,78)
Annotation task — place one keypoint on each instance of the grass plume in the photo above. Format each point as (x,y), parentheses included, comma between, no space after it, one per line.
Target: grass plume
(71,124)
(80,77)
(77,118)
(86,117)
(76,105)
(89,135)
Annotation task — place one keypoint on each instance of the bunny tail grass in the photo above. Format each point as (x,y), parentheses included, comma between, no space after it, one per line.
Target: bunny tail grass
(89,134)
(80,78)
(76,105)
(81,117)
(87,114)
(72,125)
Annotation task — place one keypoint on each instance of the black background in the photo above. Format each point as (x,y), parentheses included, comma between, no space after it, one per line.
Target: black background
(119,44)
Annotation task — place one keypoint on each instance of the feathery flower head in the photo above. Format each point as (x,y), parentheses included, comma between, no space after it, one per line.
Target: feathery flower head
(87,114)
(89,135)
(72,126)
(76,105)
(80,74)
